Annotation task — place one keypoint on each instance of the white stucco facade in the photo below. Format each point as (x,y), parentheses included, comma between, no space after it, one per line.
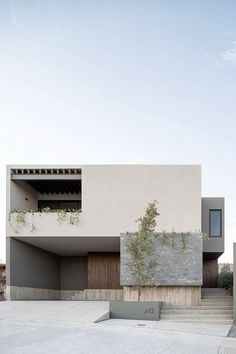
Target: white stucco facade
(113,197)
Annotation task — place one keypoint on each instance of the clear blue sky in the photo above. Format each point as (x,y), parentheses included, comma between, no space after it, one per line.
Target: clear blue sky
(121,82)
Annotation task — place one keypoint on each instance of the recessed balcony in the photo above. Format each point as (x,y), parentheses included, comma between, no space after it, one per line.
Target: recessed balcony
(44,202)
(46,222)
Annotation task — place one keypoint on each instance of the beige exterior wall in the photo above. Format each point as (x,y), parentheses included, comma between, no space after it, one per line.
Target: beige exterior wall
(114,196)
(22,196)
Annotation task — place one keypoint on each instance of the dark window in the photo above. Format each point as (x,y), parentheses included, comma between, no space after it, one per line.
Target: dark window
(215,222)
(59,204)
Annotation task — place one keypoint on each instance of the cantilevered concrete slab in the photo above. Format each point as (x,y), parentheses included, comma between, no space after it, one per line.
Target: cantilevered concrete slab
(73,246)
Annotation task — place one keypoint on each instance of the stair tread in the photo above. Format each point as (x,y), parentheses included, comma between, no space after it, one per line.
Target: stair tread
(194,315)
(197,306)
(200,321)
(197,311)
(216,300)
(216,307)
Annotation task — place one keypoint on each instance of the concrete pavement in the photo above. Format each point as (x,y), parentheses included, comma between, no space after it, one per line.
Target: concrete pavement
(67,327)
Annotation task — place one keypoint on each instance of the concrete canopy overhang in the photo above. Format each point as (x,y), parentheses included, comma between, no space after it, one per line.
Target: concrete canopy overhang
(73,246)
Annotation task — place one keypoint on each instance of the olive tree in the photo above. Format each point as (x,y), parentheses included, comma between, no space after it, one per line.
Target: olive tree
(139,246)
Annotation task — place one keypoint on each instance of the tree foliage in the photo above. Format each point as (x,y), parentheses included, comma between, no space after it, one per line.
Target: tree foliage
(139,246)
(226,278)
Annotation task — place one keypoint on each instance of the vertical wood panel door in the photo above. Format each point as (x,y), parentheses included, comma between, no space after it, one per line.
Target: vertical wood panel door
(210,273)
(104,271)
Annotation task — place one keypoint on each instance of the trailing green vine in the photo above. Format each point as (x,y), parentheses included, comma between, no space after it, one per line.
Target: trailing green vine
(184,238)
(74,217)
(33,228)
(61,215)
(17,217)
(169,238)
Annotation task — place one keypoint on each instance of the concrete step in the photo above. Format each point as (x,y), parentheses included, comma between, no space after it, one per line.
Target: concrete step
(213,290)
(200,307)
(196,316)
(208,320)
(213,301)
(216,307)
(217,304)
(197,311)
(216,296)
(215,293)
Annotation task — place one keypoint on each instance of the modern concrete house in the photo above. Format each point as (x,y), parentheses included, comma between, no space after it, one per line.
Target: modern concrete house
(54,253)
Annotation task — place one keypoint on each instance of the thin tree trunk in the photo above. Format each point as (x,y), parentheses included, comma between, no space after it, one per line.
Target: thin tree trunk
(139,292)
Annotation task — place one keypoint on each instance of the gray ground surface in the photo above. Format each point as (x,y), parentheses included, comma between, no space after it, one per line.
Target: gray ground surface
(67,327)
(232,332)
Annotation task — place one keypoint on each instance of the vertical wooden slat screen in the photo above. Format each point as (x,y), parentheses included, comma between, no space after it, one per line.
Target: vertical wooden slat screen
(104,271)
(210,273)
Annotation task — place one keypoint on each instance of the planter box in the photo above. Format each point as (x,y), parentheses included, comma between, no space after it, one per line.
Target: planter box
(136,310)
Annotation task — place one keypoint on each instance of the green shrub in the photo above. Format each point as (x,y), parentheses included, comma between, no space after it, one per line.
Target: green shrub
(226,278)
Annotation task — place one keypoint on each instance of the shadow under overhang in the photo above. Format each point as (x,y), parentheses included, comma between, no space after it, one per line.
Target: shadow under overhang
(56,186)
(73,246)
(212,255)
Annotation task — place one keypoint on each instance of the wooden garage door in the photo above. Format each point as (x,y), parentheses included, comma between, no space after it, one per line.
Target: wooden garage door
(104,271)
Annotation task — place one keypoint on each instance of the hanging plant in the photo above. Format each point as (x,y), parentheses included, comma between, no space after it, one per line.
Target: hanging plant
(74,217)
(61,215)
(17,219)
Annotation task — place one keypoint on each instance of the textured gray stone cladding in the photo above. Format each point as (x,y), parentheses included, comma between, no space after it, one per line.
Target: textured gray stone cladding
(175,264)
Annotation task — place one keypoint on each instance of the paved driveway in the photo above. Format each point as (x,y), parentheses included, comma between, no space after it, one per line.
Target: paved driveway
(56,312)
(67,327)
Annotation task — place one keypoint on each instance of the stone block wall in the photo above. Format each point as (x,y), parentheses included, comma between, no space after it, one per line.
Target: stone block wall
(178,260)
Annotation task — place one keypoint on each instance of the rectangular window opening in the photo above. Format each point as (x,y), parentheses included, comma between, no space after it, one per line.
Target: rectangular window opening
(59,204)
(215,222)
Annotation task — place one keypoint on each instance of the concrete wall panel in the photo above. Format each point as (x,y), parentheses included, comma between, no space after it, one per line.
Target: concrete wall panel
(213,244)
(24,293)
(22,196)
(74,273)
(32,267)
